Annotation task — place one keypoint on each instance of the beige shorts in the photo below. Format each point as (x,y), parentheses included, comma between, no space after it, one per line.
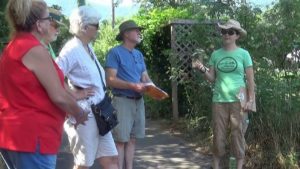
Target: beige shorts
(131,116)
(87,145)
(229,116)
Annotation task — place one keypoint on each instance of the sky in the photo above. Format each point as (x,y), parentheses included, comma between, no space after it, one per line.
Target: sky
(125,9)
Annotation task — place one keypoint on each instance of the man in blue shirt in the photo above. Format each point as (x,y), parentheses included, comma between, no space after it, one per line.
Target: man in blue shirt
(126,73)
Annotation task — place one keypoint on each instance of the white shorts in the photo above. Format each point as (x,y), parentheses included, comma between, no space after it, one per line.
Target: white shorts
(87,145)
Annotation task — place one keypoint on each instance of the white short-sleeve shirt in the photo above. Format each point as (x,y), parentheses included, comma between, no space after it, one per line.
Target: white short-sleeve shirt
(80,68)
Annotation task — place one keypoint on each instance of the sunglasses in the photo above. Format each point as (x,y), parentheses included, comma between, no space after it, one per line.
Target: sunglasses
(229,32)
(95,25)
(54,25)
(50,18)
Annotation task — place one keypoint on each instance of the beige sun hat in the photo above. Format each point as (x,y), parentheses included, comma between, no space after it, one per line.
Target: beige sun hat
(233,24)
(56,15)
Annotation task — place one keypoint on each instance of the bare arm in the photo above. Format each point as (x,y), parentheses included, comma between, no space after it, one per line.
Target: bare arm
(251,83)
(113,81)
(210,74)
(146,78)
(40,63)
(69,90)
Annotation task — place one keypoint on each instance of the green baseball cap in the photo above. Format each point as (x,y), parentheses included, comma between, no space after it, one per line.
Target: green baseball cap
(125,26)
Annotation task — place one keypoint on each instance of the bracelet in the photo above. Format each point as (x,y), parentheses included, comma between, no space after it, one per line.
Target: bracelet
(203,71)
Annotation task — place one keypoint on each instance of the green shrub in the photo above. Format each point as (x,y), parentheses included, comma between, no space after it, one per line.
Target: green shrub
(106,40)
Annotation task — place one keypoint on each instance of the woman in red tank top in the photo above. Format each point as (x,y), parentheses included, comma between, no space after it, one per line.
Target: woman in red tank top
(33,100)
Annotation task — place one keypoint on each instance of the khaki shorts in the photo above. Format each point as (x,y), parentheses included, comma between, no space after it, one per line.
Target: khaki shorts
(229,116)
(131,116)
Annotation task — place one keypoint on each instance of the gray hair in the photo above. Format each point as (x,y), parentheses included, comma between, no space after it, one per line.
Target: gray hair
(81,17)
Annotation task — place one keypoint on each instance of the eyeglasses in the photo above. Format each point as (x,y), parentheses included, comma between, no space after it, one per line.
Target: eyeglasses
(230,32)
(50,18)
(95,25)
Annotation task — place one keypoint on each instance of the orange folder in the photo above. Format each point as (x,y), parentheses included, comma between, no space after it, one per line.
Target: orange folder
(155,92)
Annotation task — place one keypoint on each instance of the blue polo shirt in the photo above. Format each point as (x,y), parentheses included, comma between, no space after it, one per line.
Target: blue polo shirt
(130,66)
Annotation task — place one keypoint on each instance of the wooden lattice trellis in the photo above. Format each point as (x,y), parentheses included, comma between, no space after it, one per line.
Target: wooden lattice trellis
(183,46)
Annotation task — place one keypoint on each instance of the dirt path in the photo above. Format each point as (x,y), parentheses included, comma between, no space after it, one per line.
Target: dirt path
(159,150)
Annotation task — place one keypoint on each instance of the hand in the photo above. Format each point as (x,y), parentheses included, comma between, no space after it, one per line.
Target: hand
(138,87)
(248,106)
(81,118)
(196,64)
(84,93)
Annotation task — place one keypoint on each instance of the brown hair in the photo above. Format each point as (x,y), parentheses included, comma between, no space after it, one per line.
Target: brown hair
(23,14)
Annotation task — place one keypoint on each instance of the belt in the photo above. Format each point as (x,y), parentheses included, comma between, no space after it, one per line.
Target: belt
(129,97)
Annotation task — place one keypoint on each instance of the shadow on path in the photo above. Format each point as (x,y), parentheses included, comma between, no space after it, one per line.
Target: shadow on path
(159,150)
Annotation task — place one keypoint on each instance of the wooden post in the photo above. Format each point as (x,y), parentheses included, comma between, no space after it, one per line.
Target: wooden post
(174,82)
(113,5)
(175,99)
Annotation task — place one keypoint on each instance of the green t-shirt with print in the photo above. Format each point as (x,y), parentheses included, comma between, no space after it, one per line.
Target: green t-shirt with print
(230,73)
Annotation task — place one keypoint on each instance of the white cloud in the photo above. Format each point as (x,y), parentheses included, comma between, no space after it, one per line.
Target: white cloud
(123,3)
(126,3)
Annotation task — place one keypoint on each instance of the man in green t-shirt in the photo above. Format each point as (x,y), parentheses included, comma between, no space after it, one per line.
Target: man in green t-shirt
(231,72)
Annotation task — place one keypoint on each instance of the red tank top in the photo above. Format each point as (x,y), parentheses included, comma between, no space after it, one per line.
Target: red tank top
(27,115)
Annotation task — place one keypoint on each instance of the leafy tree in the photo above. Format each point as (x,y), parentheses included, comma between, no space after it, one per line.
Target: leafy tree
(271,35)
(156,49)
(57,7)
(106,39)
(3,25)
(149,4)
(80,2)
(2,5)
(63,36)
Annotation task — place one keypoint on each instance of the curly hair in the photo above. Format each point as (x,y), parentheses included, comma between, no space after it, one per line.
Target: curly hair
(81,17)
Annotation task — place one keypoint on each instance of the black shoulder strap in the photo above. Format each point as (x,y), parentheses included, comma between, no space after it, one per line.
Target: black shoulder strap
(95,59)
